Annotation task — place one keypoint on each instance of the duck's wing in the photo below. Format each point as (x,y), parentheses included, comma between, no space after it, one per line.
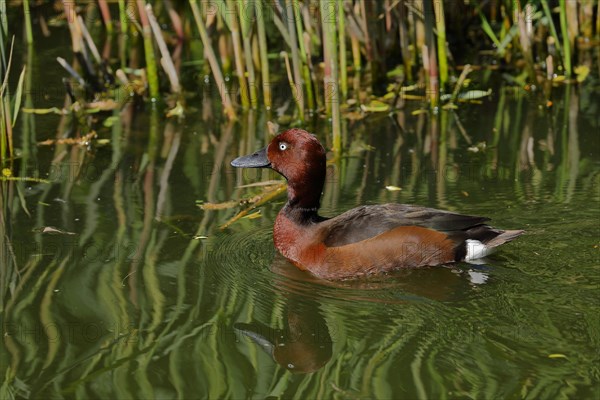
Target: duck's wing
(365,222)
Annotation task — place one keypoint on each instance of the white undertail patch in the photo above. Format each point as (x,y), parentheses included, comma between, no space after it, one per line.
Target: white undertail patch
(476,249)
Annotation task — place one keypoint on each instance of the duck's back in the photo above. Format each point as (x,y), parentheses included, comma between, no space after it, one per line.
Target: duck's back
(365,222)
(377,238)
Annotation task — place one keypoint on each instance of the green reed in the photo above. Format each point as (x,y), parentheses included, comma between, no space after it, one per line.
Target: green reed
(565,36)
(212,59)
(248,34)
(264,60)
(151,67)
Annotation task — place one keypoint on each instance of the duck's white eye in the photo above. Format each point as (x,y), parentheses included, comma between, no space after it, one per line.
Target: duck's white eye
(283,146)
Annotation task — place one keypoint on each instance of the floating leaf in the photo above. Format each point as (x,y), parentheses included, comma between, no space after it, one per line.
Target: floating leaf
(52,230)
(481,146)
(102,105)
(475,94)
(253,215)
(176,111)
(582,72)
(393,188)
(110,121)
(556,355)
(263,183)
(450,106)
(219,206)
(396,72)
(82,141)
(51,110)
(375,106)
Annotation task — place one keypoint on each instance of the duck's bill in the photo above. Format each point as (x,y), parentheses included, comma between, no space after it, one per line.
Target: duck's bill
(255,160)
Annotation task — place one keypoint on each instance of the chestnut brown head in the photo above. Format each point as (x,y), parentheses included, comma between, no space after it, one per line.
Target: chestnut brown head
(299,157)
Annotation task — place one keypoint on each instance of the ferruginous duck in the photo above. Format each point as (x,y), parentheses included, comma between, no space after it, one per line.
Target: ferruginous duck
(367,239)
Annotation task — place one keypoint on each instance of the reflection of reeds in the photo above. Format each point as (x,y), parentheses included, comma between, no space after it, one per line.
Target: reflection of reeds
(174,309)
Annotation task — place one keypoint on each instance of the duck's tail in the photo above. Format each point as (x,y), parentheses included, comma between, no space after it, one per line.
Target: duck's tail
(505,236)
(479,247)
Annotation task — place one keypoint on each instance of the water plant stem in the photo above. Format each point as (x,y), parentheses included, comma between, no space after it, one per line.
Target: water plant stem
(212,60)
(331,77)
(342,41)
(232,22)
(105,11)
(151,69)
(310,101)
(264,60)
(28,30)
(166,60)
(293,86)
(291,25)
(440,25)
(565,36)
(246,14)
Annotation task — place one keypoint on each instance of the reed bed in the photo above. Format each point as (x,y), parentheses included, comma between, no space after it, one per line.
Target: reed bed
(338,56)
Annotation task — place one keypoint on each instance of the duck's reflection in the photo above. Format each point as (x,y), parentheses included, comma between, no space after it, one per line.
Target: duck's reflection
(304,344)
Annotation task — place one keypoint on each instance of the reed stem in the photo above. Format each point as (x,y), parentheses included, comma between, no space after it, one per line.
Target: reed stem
(232,22)
(212,60)
(264,60)
(245,17)
(28,30)
(342,41)
(291,25)
(331,77)
(166,60)
(565,36)
(124,37)
(151,69)
(553,32)
(310,101)
(441,42)
(293,86)
(105,11)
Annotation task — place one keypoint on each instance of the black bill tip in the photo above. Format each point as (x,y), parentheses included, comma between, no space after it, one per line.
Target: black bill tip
(255,160)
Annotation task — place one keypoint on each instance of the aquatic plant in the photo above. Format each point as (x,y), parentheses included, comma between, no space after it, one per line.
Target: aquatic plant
(423,37)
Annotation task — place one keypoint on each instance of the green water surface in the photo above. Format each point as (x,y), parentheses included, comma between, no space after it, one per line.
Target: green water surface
(115,284)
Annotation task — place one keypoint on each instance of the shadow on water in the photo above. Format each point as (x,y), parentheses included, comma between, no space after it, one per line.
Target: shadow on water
(114,284)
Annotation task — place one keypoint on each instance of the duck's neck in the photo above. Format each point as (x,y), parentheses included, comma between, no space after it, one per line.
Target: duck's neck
(304,200)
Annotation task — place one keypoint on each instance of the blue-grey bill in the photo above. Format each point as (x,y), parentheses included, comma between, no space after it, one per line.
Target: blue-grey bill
(256,160)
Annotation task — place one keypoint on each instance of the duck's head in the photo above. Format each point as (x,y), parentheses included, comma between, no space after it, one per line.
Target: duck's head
(300,158)
(293,153)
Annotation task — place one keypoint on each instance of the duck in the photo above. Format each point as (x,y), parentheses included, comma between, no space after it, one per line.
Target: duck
(366,240)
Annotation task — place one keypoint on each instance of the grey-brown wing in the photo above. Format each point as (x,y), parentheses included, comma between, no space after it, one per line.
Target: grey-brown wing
(365,222)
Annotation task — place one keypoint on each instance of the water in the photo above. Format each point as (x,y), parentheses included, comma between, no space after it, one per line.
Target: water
(141,295)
